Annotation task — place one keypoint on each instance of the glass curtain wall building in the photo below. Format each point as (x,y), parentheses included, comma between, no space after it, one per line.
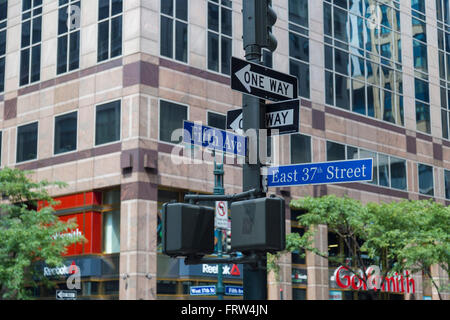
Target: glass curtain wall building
(92,93)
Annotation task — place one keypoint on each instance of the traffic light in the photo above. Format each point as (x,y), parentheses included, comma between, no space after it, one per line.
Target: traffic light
(258,225)
(259,17)
(187,229)
(228,241)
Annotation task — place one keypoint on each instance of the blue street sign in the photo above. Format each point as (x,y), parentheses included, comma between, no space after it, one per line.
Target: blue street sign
(320,173)
(234,291)
(203,291)
(221,140)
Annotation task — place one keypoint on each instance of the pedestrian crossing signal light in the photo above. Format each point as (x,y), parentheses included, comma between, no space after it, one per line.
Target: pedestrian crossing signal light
(258,225)
(187,230)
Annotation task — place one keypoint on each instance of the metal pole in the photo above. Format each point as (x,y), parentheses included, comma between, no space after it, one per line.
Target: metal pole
(253,114)
(219,190)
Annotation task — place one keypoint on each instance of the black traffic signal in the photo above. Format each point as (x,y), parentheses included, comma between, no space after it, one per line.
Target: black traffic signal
(187,229)
(259,17)
(258,225)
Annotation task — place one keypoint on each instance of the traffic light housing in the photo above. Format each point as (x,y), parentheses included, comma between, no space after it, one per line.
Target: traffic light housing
(258,225)
(259,17)
(187,229)
(228,241)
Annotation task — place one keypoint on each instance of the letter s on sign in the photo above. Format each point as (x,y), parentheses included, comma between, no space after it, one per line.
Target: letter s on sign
(338,277)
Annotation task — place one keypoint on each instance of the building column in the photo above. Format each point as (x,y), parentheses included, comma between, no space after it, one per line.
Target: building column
(138,223)
(317,267)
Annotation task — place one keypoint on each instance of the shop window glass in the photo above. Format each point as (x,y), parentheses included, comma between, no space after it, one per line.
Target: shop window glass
(111,221)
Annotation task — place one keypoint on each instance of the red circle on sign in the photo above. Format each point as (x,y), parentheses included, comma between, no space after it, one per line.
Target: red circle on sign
(221,208)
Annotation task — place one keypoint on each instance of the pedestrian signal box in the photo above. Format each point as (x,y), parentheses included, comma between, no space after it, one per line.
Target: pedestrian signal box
(258,225)
(187,229)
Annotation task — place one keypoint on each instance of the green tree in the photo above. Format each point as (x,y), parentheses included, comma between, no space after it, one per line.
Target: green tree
(417,234)
(398,236)
(27,235)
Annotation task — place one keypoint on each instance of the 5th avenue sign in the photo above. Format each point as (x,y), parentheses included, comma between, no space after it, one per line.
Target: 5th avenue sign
(262,82)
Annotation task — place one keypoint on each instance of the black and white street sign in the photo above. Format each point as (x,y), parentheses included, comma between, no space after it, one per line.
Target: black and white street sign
(262,82)
(221,219)
(283,116)
(66,295)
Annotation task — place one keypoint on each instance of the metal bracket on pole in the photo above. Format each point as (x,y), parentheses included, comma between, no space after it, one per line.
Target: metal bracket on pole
(192,198)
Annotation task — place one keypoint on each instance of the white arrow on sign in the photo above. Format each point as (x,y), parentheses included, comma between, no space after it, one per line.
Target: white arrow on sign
(251,79)
(236,125)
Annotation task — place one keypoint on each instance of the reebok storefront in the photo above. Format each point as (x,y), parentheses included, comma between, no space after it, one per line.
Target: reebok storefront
(90,268)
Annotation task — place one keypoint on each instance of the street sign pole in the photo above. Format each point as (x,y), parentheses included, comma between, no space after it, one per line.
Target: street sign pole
(255,276)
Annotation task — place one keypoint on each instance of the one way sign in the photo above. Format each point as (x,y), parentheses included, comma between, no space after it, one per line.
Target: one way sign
(283,116)
(262,82)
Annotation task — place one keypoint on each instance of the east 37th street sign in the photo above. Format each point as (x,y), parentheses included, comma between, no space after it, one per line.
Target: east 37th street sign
(320,173)
(262,82)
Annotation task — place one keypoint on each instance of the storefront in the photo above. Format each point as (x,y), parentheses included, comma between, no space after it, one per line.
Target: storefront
(97,215)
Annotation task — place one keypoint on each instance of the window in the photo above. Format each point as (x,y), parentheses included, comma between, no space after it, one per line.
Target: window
(443,30)
(420,58)
(27,136)
(426,185)
(219,35)
(68,35)
(300,148)
(109,29)
(107,123)
(299,45)
(171,117)
(363,71)
(30,55)
(217,120)
(65,133)
(111,221)
(3,22)
(174,29)
(447,183)
(388,171)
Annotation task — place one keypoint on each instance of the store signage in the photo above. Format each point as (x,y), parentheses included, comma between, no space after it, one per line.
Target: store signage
(262,82)
(396,284)
(203,291)
(282,116)
(299,276)
(90,223)
(320,173)
(213,138)
(335,295)
(227,270)
(80,209)
(61,271)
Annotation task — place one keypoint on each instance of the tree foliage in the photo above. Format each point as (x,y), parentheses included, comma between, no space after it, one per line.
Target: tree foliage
(27,235)
(397,236)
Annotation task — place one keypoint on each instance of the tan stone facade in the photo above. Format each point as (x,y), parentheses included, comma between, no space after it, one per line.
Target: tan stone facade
(141,77)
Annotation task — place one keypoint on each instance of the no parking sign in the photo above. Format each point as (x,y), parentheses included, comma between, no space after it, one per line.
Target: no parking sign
(221,220)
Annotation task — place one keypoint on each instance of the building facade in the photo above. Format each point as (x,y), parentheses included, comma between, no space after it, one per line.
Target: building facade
(92,91)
